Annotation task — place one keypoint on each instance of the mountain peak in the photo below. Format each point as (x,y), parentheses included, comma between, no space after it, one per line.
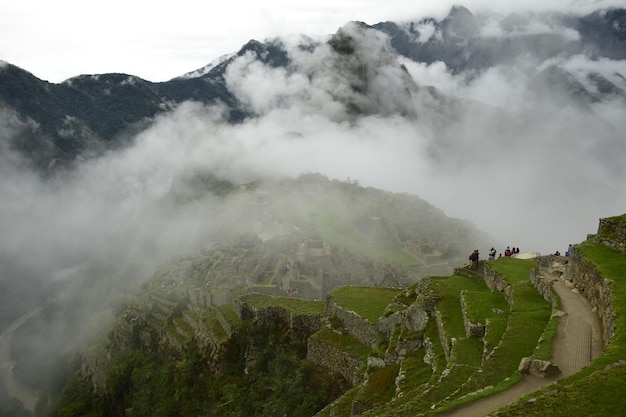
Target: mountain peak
(460,23)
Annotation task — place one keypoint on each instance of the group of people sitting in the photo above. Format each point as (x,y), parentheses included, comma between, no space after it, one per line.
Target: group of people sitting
(492,255)
(509,251)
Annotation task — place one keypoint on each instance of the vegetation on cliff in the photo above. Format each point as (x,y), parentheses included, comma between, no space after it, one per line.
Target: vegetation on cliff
(143,383)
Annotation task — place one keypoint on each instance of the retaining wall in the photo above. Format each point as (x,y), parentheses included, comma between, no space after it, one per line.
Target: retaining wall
(598,291)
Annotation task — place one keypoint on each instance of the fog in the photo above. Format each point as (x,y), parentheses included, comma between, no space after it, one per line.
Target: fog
(518,158)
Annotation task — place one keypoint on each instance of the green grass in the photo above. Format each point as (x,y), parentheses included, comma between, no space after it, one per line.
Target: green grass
(484,307)
(597,389)
(296,305)
(529,317)
(496,326)
(342,406)
(467,351)
(368,302)
(598,395)
(449,289)
(513,270)
(543,350)
(416,371)
(380,386)
(480,305)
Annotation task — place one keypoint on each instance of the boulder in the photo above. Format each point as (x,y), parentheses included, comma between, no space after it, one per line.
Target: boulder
(538,367)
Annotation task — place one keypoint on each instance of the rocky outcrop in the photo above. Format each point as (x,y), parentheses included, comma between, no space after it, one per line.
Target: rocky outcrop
(538,367)
(303,324)
(549,268)
(612,233)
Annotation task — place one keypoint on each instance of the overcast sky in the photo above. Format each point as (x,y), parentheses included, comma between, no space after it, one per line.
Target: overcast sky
(159,40)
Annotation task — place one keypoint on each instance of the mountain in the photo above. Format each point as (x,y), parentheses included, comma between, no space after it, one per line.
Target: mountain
(83,116)
(462,40)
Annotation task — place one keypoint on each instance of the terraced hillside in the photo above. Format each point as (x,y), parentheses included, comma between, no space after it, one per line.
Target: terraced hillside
(425,349)
(453,339)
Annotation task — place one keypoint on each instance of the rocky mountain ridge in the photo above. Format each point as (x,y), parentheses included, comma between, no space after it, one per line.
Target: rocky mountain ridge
(85,115)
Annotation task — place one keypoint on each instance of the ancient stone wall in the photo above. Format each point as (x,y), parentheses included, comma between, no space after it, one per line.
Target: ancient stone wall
(612,233)
(359,327)
(473,330)
(443,335)
(386,325)
(302,325)
(496,283)
(335,360)
(543,286)
(587,279)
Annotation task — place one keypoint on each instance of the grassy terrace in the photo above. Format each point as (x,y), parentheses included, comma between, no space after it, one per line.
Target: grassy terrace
(296,305)
(370,303)
(528,319)
(597,390)
(516,331)
(491,309)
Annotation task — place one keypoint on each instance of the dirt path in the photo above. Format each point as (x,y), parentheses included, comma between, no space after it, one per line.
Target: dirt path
(577,343)
(16,389)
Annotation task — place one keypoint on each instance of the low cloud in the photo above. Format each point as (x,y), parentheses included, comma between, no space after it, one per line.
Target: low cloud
(498,147)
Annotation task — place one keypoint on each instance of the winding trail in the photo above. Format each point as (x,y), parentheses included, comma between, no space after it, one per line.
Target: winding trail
(577,342)
(15,388)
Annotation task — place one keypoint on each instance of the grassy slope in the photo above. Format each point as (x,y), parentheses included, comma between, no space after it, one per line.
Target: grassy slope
(515,329)
(368,302)
(598,390)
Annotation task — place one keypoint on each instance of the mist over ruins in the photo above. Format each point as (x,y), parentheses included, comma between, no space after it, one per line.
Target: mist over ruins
(224,228)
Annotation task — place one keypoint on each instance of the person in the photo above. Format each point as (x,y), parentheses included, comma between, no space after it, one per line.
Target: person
(569,250)
(492,254)
(507,252)
(557,253)
(474,258)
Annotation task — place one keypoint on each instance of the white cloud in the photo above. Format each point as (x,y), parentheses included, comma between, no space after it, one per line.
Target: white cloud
(490,148)
(158,41)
